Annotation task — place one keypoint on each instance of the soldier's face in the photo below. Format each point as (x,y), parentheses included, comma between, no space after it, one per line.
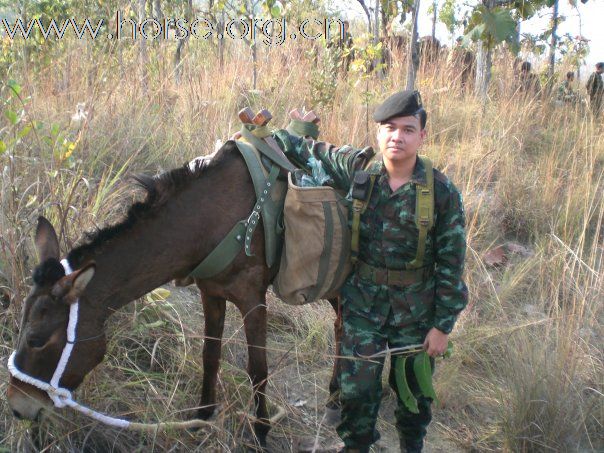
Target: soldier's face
(400,137)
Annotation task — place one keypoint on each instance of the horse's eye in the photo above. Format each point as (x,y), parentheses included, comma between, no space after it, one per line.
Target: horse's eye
(35,341)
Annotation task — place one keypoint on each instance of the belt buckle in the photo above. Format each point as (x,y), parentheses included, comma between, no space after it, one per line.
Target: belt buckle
(390,277)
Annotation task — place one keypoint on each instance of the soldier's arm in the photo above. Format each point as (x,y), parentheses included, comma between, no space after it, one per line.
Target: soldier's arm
(340,163)
(451,293)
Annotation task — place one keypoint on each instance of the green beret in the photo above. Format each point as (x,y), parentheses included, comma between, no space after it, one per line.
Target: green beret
(403,103)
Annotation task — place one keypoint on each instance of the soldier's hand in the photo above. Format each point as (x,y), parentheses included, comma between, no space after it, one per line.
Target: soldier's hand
(436,342)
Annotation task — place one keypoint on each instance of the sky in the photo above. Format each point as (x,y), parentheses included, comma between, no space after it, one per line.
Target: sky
(589,22)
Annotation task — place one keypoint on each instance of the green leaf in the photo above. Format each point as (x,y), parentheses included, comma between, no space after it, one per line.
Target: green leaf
(499,24)
(525,9)
(475,34)
(12,116)
(14,86)
(276,11)
(423,374)
(23,132)
(404,391)
(2,147)
(449,352)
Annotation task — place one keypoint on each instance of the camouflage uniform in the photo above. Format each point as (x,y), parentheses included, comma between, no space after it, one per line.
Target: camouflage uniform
(595,90)
(376,316)
(566,94)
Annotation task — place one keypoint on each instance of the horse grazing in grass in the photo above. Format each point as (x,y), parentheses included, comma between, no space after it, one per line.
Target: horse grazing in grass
(185,215)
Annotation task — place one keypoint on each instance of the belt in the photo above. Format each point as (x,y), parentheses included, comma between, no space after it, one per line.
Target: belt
(398,277)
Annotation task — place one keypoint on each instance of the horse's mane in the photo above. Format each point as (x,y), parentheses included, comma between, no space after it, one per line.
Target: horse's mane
(159,189)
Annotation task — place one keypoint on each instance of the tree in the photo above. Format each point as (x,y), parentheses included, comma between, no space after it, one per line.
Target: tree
(554,40)
(413,52)
(494,22)
(368,14)
(448,16)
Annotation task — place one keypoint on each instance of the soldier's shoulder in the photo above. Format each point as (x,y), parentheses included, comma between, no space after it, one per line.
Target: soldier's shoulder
(445,191)
(442,182)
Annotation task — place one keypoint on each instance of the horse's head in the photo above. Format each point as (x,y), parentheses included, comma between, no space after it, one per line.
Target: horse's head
(43,332)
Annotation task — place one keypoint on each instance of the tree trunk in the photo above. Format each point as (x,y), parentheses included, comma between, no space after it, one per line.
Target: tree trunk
(142,49)
(25,48)
(484,63)
(221,41)
(364,6)
(434,15)
(554,41)
(413,51)
(376,36)
(157,12)
(181,44)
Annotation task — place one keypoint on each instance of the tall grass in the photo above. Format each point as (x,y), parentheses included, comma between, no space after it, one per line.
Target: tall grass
(527,370)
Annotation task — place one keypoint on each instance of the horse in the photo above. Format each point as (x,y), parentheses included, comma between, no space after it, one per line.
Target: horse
(186,213)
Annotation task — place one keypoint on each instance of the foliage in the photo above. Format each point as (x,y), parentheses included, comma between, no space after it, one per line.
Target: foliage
(491,26)
(448,15)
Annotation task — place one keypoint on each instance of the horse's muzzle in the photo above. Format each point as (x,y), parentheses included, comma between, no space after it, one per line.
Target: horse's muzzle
(25,401)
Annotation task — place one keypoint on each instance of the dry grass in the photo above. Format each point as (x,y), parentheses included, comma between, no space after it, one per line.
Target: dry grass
(527,370)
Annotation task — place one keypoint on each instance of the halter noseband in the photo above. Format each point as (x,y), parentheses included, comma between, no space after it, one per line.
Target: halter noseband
(60,396)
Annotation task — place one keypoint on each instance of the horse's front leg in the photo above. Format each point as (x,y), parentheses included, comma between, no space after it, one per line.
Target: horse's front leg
(254,320)
(214,309)
(333,403)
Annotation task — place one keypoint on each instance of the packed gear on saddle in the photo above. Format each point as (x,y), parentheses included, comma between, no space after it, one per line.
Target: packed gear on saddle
(321,247)
(315,257)
(306,224)
(264,160)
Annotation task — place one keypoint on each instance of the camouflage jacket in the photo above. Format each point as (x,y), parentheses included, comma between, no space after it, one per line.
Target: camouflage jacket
(388,234)
(566,93)
(595,86)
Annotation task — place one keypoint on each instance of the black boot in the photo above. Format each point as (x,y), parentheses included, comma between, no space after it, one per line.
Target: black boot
(411,446)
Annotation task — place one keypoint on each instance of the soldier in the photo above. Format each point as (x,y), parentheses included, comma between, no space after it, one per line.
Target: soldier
(595,89)
(566,94)
(528,82)
(384,304)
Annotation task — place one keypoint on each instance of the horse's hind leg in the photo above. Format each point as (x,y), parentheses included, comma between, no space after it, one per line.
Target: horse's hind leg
(214,310)
(254,320)
(333,403)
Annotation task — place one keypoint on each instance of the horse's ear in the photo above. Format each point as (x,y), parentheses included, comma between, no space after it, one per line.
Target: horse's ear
(71,287)
(47,243)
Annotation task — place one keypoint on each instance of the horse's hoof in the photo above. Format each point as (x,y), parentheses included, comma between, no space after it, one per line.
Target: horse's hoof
(333,416)
(206,412)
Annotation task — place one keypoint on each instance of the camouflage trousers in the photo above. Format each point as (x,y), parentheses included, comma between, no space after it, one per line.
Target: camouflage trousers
(361,382)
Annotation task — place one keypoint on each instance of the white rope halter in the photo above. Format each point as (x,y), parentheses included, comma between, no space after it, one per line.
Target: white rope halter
(60,396)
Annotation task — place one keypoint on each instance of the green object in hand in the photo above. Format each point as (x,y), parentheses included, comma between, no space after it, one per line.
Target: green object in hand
(423,374)
(449,352)
(403,387)
(422,369)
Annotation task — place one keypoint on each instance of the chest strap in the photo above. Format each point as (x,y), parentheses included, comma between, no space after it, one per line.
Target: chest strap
(424,213)
(362,188)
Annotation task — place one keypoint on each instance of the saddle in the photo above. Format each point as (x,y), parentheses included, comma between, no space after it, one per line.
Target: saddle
(268,167)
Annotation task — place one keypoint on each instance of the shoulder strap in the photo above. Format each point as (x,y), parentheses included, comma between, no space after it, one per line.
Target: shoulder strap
(359,205)
(424,212)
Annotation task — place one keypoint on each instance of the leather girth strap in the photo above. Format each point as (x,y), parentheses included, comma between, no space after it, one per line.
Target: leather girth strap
(270,197)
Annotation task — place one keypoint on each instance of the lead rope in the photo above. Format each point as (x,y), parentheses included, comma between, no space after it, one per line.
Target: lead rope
(61,397)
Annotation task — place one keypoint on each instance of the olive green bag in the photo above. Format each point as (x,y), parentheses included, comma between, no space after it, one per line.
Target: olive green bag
(315,259)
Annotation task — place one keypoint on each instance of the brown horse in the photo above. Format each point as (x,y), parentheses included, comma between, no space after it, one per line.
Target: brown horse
(185,215)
